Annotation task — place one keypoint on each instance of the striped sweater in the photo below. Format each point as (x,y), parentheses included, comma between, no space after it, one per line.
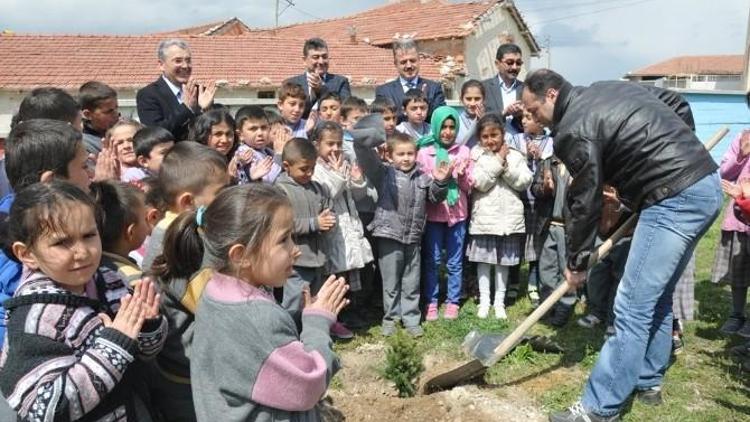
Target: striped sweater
(60,363)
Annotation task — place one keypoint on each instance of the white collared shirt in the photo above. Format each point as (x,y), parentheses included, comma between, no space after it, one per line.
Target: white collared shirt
(175,89)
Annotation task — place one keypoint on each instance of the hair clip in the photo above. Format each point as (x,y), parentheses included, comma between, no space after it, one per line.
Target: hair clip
(199,215)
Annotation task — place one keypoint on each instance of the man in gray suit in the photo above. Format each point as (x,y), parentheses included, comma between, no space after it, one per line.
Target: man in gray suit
(316,81)
(503,92)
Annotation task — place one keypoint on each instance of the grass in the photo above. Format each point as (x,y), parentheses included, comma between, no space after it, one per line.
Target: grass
(703,384)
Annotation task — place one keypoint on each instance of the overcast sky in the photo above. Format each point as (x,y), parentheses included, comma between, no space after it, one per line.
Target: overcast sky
(590,40)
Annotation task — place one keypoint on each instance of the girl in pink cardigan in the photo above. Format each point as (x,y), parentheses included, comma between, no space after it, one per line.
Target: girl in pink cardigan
(447,220)
(732,260)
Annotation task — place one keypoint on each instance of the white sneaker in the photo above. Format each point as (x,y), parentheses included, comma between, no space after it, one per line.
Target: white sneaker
(483,311)
(500,312)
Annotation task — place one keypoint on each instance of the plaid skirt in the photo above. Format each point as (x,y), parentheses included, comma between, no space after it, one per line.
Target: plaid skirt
(496,250)
(732,260)
(683,299)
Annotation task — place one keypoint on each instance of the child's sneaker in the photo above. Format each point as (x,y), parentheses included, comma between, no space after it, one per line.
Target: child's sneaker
(534,298)
(415,331)
(589,321)
(677,343)
(500,312)
(451,311)
(432,312)
(483,311)
(340,331)
(388,329)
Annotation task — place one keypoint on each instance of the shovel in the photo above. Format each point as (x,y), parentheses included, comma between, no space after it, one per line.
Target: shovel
(477,367)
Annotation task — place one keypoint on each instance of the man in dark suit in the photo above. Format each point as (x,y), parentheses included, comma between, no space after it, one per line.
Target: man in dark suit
(406,59)
(316,81)
(503,92)
(174,99)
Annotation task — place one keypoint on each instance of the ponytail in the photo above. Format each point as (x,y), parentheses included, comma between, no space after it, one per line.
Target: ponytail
(182,253)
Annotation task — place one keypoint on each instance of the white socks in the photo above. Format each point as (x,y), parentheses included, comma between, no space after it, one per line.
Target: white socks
(483,278)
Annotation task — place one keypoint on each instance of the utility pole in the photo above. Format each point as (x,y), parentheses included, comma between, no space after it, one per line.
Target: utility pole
(548,44)
(276,25)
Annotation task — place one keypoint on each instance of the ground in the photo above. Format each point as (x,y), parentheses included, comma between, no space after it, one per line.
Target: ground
(703,384)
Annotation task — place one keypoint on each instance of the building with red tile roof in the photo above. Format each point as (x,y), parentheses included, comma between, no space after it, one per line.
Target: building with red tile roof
(457,41)
(711,72)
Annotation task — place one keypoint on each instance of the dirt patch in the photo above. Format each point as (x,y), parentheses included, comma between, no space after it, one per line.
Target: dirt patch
(360,393)
(538,385)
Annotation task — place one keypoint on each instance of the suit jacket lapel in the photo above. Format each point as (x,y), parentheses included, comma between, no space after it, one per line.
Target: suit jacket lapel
(166,93)
(496,94)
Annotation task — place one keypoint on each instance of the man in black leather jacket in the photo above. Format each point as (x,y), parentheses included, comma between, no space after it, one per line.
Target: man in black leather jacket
(630,137)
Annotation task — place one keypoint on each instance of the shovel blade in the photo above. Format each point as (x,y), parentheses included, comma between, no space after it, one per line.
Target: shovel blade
(452,378)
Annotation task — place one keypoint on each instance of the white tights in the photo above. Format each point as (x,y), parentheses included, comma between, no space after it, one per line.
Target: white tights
(501,277)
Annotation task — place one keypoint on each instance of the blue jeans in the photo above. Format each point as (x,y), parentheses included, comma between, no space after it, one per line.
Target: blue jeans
(439,236)
(636,357)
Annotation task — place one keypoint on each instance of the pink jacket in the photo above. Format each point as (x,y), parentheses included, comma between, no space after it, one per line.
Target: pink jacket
(733,167)
(442,213)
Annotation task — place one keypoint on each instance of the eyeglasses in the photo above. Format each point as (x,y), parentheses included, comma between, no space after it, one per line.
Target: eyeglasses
(513,62)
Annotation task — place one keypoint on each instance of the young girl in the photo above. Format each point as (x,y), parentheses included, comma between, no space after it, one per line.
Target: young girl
(215,128)
(347,249)
(248,360)
(446,221)
(124,226)
(69,353)
(472,98)
(497,229)
(732,261)
(538,148)
(120,137)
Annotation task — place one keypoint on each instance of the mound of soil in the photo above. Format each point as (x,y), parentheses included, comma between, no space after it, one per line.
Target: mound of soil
(359,393)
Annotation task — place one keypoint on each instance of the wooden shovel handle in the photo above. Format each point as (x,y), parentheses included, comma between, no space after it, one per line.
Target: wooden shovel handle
(503,348)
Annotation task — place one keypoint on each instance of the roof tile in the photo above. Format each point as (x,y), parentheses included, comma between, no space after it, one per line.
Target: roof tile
(695,65)
(67,61)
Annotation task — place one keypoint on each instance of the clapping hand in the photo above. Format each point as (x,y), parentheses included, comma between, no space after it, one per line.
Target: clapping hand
(336,161)
(326,220)
(461,167)
(107,166)
(260,168)
(442,171)
(331,296)
(732,189)
(206,95)
(190,94)
(280,134)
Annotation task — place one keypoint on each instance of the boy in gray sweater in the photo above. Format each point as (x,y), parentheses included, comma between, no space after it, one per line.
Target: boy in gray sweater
(403,192)
(312,218)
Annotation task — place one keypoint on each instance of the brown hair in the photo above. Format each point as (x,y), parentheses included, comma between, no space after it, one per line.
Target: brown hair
(398,138)
(118,203)
(239,215)
(189,167)
(291,90)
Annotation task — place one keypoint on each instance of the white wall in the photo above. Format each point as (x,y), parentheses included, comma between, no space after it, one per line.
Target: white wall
(482,46)
(234,98)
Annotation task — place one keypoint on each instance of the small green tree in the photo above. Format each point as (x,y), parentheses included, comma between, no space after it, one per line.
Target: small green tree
(403,363)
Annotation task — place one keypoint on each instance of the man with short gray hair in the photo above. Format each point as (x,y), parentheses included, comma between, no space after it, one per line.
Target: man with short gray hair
(175,98)
(406,59)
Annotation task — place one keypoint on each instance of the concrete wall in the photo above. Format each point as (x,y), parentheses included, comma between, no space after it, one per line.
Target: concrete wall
(482,46)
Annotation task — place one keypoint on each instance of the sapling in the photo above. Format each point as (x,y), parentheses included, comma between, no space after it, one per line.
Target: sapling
(403,363)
